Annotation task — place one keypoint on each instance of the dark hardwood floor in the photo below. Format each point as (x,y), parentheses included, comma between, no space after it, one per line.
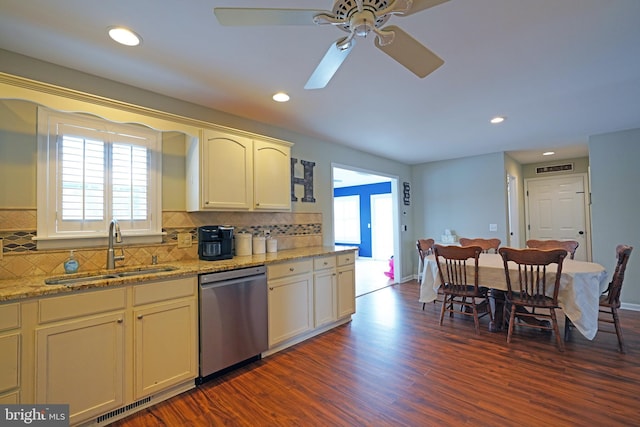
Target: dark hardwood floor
(394,365)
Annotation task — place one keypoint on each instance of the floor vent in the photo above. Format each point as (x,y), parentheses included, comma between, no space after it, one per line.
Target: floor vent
(567,167)
(119,411)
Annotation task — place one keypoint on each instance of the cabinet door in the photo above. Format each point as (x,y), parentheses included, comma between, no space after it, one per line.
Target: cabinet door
(290,307)
(226,171)
(324,297)
(9,361)
(346,290)
(272,176)
(165,345)
(80,362)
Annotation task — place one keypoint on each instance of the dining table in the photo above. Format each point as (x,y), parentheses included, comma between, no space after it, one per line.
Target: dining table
(581,284)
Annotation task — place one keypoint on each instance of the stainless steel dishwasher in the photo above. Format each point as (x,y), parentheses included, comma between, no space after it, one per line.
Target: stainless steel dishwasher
(233,318)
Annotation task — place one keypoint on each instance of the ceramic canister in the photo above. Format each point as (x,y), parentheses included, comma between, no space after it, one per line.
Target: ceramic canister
(272,245)
(243,244)
(258,244)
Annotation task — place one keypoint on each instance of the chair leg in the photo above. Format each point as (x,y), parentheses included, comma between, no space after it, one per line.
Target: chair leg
(504,315)
(512,321)
(476,320)
(556,330)
(444,303)
(616,322)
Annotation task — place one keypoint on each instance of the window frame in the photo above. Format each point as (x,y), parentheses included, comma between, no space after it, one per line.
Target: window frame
(48,237)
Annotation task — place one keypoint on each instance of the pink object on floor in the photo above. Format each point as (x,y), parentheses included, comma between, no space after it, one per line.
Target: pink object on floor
(390,274)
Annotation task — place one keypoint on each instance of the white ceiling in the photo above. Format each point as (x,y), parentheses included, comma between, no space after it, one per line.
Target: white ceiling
(560,70)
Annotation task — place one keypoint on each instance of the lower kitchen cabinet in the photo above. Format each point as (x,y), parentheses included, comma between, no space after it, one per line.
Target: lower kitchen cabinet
(324,290)
(309,296)
(346,284)
(81,362)
(10,353)
(165,342)
(101,350)
(290,299)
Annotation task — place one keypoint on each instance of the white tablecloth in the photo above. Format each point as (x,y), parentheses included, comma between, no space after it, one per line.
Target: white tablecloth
(581,285)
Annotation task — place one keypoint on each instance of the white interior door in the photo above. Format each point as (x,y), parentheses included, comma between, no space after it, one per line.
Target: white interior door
(557,209)
(381,226)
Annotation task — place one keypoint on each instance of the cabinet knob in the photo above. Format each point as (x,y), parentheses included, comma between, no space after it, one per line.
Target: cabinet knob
(292,269)
(119,321)
(140,316)
(270,289)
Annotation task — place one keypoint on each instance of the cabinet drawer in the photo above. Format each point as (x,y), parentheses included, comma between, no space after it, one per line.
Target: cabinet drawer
(82,304)
(324,262)
(165,290)
(9,316)
(290,268)
(346,258)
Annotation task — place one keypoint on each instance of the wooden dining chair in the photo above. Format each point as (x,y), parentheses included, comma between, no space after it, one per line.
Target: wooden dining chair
(568,245)
(610,299)
(425,247)
(487,245)
(459,286)
(534,288)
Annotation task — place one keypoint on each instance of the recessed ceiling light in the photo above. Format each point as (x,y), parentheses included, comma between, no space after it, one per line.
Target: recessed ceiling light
(280,97)
(497,119)
(124,36)
(548,153)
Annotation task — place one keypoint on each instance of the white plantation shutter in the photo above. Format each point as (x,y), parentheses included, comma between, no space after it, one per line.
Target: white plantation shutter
(101,170)
(130,183)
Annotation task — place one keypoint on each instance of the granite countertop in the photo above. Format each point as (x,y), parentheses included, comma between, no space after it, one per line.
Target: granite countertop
(29,287)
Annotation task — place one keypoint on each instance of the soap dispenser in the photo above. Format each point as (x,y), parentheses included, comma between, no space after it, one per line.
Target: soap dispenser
(71,264)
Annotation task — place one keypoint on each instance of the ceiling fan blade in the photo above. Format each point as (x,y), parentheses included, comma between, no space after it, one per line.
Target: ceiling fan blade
(419,5)
(328,65)
(233,16)
(410,53)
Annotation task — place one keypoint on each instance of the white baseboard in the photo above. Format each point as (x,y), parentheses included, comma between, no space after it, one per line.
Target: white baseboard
(628,306)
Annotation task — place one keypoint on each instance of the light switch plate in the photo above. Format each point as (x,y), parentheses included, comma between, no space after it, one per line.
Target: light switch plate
(184,240)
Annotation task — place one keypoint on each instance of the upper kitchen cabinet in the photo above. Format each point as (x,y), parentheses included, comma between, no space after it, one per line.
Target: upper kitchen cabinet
(237,171)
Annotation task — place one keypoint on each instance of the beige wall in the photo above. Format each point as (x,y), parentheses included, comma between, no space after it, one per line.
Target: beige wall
(18,148)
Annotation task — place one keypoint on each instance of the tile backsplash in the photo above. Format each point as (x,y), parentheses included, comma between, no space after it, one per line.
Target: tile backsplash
(21,257)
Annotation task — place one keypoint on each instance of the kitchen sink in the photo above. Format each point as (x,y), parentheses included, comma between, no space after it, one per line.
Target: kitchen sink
(150,270)
(87,278)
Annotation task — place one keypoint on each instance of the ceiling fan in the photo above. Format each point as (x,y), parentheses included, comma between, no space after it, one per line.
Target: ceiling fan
(357,18)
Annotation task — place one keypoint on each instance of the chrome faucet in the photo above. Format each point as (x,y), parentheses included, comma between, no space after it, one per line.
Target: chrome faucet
(114,231)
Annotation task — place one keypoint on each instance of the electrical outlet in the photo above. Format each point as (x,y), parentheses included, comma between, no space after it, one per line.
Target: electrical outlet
(184,240)
(493,227)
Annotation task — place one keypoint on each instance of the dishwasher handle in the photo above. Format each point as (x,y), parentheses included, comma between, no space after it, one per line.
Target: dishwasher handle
(231,282)
(224,276)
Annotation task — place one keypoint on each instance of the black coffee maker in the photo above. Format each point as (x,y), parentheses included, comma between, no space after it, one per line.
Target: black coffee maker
(215,242)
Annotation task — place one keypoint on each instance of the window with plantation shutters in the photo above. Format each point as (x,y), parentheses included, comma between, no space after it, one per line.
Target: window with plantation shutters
(94,170)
